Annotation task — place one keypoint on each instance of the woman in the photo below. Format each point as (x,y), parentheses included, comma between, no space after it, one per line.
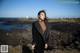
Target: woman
(40,33)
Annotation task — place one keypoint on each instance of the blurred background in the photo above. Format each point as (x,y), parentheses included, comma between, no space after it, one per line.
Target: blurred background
(17,16)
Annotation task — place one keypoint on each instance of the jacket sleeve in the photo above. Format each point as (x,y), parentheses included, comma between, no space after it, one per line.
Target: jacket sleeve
(33,34)
(47,39)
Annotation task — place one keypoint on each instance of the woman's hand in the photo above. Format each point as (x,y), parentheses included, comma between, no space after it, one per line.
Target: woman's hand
(33,46)
(46,46)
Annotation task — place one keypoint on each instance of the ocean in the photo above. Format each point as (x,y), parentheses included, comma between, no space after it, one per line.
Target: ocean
(8,26)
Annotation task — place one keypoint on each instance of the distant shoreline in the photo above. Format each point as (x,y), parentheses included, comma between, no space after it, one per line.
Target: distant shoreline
(30,20)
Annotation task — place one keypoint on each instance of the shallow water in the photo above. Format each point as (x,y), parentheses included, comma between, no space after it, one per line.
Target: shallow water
(7,26)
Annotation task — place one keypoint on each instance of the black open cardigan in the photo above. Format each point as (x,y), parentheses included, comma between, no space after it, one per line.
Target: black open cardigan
(38,37)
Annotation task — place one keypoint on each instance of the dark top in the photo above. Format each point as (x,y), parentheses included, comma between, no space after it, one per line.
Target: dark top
(40,38)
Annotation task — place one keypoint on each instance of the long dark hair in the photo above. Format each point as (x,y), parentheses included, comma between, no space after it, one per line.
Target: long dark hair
(44,13)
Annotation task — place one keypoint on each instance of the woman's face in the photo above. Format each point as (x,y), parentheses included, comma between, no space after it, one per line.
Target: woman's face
(42,15)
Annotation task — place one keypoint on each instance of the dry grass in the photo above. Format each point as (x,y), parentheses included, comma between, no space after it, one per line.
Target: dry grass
(18,49)
(63,51)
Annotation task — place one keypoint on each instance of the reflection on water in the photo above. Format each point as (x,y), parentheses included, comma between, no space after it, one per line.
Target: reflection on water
(7,26)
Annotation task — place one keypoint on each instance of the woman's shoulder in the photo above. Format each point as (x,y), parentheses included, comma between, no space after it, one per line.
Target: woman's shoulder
(34,22)
(47,23)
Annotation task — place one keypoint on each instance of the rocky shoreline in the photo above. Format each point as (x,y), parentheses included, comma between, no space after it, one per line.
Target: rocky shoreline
(63,35)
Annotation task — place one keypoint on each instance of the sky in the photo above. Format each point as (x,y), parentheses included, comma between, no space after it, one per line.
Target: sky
(30,8)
